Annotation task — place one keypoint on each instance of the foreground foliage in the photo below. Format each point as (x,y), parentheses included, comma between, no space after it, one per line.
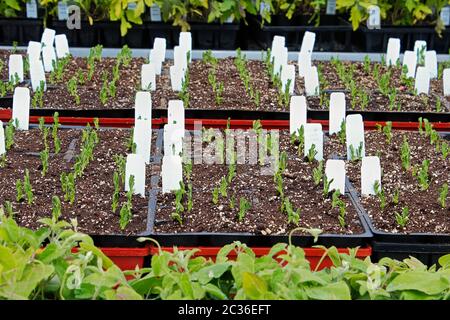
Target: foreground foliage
(59,272)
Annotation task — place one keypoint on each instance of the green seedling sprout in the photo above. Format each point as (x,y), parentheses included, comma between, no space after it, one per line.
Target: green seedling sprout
(312,153)
(422,175)
(44,155)
(190,201)
(223,187)
(244,206)
(215,195)
(405,154)
(293,215)
(56,207)
(27,187)
(326,186)
(115,197)
(19,190)
(9,209)
(55,126)
(380,194)
(443,193)
(396,196)
(10,129)
(318,173)
(445,150)
(403,218)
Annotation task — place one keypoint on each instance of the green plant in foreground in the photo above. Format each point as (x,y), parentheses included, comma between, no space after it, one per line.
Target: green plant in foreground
(403,218)
(244,206)
(443,193)
(380,194)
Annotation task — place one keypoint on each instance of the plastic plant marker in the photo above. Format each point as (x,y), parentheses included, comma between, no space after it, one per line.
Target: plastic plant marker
(374,20)
(62,46)
(280,59)
(331,7)
(431,63)
(159,49)
(15,67)
(34,50)
(336,112)
(288,73)
(420,46)
(173,139)
(32,11)
(171,172)
(135,166)
(142,137)
(370,173)
(155,13)
(410,61)
(314,136)
(446,82)
(63,13)
(304,63)
(185,42)
(354,135)
(148,77)
(21,107)
(48,57)
(278,42)
(309,38)
(37,74)
(297,113)
(175,113)
(2,139)
(179,56)
(176,78)
(422,84)
(445,15)
(48,37)
(393,51)
(335,169)
(312,82)
(155,61)
(143,106)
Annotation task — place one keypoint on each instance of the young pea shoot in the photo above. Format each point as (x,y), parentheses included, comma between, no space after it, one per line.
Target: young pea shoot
(72,87)
(443,193)
(126,210)
(326,186)
(318,173)
(244,206)
(293,215)
(422,175)
(380,194)
(312,152)
(115,197)
(44,155)
(403,218)
(405,154)
(396,196)
(27,187)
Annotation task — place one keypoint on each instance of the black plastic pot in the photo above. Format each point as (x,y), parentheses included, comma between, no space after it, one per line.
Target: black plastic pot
(72,35)
(136,37)
(21,30)
(109,34)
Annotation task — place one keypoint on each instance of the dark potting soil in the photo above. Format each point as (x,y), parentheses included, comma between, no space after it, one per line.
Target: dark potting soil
(264,216)
(425,213)
(94,190)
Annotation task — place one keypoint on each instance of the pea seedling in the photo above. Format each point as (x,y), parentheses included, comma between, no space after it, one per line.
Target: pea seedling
(10,129)
(244,206)
(293,215)
(396,196)
(403,218)
(318,173)
(44,155)
(326,186)
(27,187)
(312,153)
(422,175)
(443,193)
(115,197)
(405,154)
(380,194)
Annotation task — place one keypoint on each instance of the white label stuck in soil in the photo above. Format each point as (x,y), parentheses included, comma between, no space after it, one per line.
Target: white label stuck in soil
(175,113)
(370,173)
(420,47)
(337,112)
(354,134)
(62,46)
(63,13)
(2,139)
(422,84)
(297,113)
(143,106)
(142,137)
(393,51)
(304,63)
(179,56)
(309,38)
(159,46)
(48,57)
(335,169)
(431,63)
(410,61)
(171,172)
(15,67)
(34,50)
(314,136)
(186,43)
(173,139)
(37,74)
(176,78)
(278,43)
(148,77)
(21,107)
(48,37)
(312,82)
(288,75)
(446,82)
(32,11)
(445,15)
(155,61)
(135,167)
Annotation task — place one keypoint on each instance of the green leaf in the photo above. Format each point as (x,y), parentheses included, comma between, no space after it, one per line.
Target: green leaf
(429,283)
(444,261)
(215,292)
(254,287)
(209,273)
(50,253)
(332,291)
(122,293)
(107,262)
(355,17)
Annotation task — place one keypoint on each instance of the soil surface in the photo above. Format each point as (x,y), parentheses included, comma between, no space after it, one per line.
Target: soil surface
(264,216)
(94,189)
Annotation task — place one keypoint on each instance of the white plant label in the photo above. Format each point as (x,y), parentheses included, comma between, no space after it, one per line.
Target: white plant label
(179,58)
(142,137)
(288,73)
(431,63)
(155,61)
(354,134)
(21,107)
(143,106)
(314,136)
(374,20)
(135,166)
(420,47)
(62,46)
(37,74)
(48,57)
(148,77)
(34,50)
(48,37)
(159,46)
(331,7)
(309,38)
(337,112)
(32,11)
(171,172)
(370,173)
(278,43)
(445,15)
(155,13)
(304,63)
(173,139)
(185,42)
(176,78)
(63,13)
(312,82)
(297,113)
(422,84)
(15,67)
(335,169)
(446,82)
(131,6)
(2,139)
(175,113)
(410,61)
(393,51)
